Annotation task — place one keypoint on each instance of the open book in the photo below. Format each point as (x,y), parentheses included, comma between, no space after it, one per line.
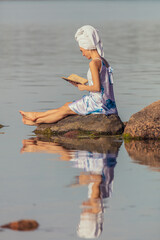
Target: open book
(76,79)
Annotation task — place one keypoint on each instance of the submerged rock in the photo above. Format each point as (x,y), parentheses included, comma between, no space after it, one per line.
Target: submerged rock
(95,123)
(22,225)
(145,152)
(145,124)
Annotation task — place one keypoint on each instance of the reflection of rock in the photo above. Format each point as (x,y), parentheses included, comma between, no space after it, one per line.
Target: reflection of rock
(22,225)
(100,145)
(145,123)
(145,152)
(99,123)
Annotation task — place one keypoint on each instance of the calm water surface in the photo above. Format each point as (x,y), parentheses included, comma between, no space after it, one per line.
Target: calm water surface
(109,191)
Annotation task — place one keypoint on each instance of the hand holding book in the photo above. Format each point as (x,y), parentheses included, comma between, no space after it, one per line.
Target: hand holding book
(75,79)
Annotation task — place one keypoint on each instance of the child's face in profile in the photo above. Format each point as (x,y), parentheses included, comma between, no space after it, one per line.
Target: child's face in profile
(85,53)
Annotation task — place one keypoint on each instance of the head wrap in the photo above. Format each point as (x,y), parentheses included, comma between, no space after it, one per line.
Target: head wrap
(88,38)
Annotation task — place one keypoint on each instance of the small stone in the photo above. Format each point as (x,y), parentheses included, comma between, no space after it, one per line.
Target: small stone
(22,225)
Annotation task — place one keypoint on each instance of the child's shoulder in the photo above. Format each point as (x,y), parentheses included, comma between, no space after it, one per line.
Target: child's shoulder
(95,63)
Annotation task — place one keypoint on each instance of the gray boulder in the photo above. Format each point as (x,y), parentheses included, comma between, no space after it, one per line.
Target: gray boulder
(145,124)
(94,123)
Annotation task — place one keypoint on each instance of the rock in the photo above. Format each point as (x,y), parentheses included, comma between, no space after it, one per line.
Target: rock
(144,124)
(95,123)
(145,152)
(22,225)
(1,126)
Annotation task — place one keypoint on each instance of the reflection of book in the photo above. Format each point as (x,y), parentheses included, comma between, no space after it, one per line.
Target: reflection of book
(76,79)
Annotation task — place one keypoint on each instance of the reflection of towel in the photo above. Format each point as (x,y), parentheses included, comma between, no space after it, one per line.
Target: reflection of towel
(92,161)
(90,225)
(88,161)
(88,38)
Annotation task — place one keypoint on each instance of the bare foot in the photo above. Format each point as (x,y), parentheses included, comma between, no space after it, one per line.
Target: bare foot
(28,145)
(28,122)
(28,115)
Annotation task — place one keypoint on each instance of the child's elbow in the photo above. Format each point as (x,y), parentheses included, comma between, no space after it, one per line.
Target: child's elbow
(98,89)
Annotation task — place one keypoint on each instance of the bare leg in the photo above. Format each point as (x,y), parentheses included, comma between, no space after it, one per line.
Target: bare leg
(33,116)
(34,145)
(56,116)
(53,116)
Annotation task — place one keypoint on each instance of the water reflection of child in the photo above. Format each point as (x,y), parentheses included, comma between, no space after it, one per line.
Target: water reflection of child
(98,174)
(100,169)
(100,84)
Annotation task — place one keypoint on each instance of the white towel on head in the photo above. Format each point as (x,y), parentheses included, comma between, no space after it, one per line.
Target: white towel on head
(88,38)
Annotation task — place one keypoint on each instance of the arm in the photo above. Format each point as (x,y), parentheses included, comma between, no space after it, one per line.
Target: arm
(95,77)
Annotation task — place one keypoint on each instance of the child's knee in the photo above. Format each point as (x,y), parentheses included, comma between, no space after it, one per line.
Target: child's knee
(67,103)
(65,109)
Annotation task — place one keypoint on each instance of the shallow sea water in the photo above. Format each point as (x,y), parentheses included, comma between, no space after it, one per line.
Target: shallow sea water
(67,189)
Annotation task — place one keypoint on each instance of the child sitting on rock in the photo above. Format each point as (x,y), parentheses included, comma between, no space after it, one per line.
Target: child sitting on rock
(100,84)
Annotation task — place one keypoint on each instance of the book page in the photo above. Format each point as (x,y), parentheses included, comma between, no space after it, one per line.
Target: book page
(75,78)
